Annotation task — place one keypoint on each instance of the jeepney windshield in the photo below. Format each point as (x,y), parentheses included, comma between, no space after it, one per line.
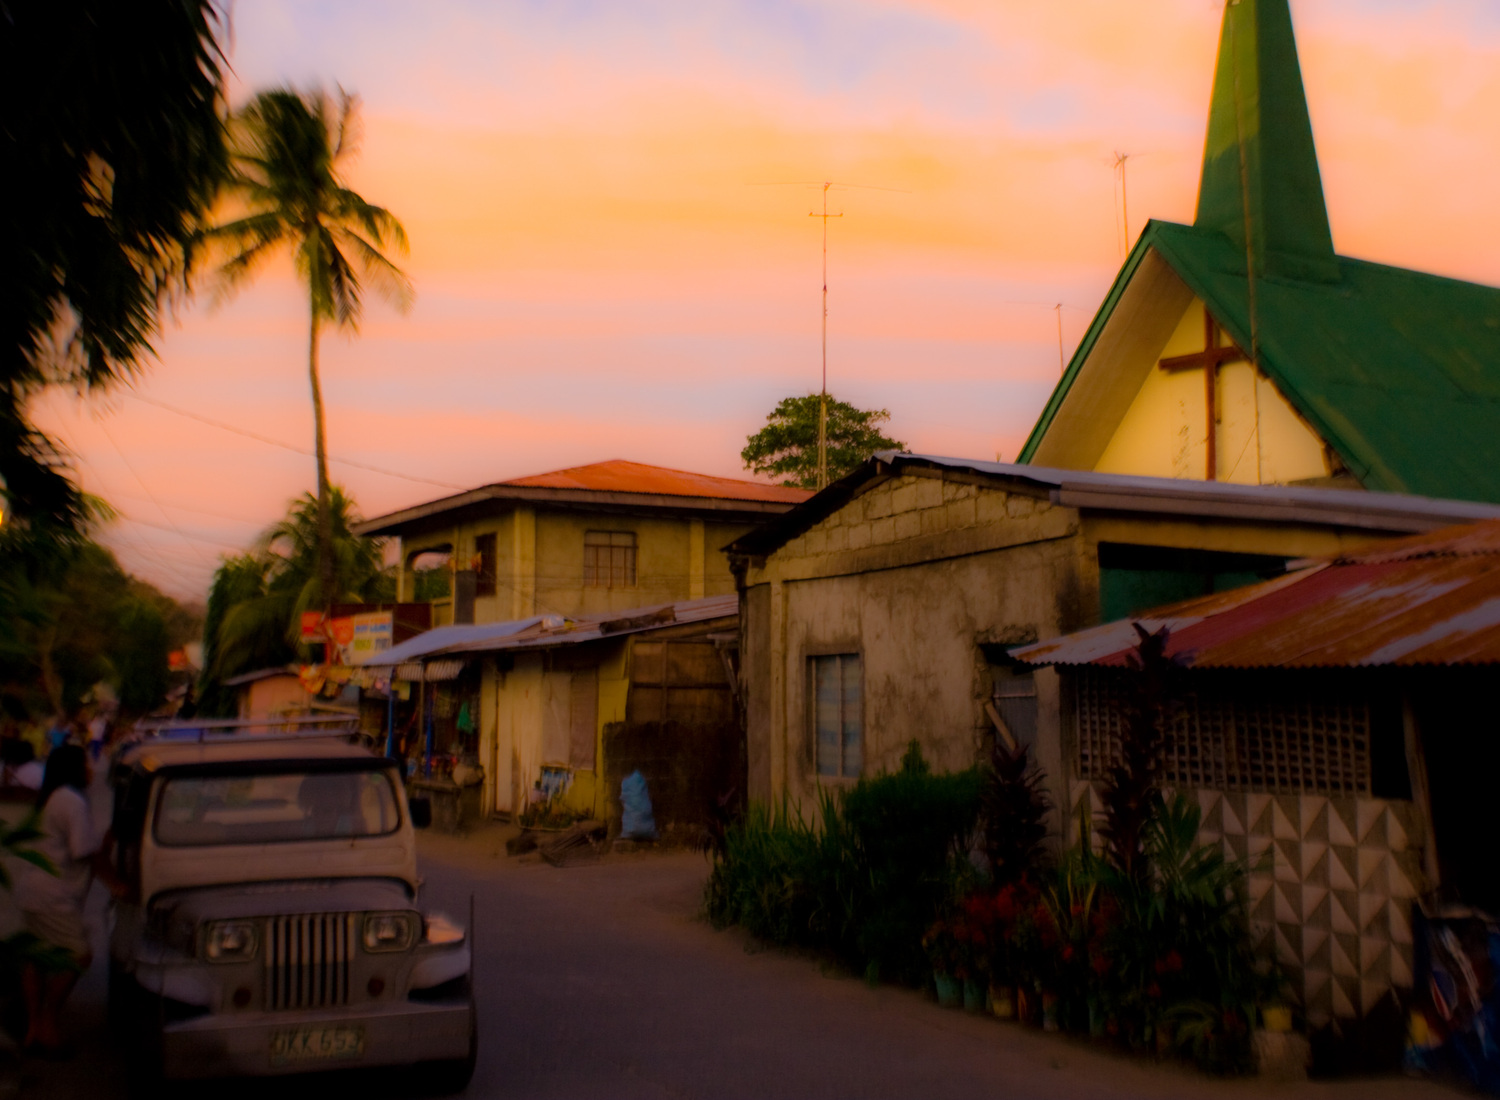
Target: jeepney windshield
(198,811)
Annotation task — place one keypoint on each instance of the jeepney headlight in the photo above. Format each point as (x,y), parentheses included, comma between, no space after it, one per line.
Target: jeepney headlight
(389,931)
(229,941)
(439,931)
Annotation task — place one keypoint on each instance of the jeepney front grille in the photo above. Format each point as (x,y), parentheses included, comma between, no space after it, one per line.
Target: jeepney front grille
(307,959)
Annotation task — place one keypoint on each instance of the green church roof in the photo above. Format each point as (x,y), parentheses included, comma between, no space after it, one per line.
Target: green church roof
(1397,370)
(1260,143)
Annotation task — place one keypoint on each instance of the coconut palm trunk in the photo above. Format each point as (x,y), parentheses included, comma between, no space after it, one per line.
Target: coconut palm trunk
(326,591)
(287,149)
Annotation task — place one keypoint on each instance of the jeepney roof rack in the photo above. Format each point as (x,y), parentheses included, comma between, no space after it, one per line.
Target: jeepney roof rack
(288,728)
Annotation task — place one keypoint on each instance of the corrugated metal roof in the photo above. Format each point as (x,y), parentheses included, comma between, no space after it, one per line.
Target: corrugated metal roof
(555,630)
(1431,599)
(442,637)
(1089,490)
(620,476)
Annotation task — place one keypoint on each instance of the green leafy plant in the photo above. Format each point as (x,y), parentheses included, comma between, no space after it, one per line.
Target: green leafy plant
(1131,792)
(864,879)
(1013,813)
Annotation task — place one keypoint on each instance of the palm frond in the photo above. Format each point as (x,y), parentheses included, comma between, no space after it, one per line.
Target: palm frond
(390,281)
(343,282)
(376,221)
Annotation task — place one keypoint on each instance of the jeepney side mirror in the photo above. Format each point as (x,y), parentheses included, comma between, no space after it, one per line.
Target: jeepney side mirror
(421,811)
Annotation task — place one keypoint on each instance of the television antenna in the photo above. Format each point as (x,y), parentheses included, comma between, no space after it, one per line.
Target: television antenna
(1120,161)
(825,186)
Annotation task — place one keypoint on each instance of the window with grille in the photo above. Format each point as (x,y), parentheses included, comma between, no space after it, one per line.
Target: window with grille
(1014,697)
(837,684)
(1264,733)
(609,559)
(484,564)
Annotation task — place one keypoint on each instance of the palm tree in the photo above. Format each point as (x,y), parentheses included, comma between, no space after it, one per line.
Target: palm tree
(256,603)
(287,149)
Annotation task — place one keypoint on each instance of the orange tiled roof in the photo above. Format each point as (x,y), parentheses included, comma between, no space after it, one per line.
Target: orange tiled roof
(619,476)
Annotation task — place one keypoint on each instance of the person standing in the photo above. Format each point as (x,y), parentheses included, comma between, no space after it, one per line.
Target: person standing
(52,904)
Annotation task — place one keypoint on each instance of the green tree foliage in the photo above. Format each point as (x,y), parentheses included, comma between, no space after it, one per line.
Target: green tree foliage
(787,447)
(85,620)
(111,131)
(256,603)
(289,149)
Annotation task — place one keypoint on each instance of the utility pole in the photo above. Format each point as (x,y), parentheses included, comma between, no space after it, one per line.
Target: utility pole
(825,186)
(823,394)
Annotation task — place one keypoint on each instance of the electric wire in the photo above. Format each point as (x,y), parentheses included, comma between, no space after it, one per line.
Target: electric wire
(289,446)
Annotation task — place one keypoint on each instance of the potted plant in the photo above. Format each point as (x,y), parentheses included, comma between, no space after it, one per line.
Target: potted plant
(943,953)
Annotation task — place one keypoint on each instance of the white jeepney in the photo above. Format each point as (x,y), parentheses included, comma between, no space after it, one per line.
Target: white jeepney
(273,924)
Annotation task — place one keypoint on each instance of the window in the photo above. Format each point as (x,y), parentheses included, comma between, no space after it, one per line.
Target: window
(264,809)
(609,559)
(837,714)
(484,564)
(1014,699)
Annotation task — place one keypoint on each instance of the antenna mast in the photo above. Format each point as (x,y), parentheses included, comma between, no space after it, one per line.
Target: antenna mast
(1120,161)
(823,394)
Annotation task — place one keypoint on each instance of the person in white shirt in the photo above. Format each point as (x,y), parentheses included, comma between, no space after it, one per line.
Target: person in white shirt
(52,904)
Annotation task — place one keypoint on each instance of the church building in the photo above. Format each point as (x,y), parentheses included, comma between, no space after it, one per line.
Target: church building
(1242,348)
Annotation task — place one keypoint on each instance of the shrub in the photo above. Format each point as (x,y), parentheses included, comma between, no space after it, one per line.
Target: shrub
(863,882)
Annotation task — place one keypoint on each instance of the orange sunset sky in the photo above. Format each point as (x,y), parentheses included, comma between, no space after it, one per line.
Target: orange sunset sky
(603,271)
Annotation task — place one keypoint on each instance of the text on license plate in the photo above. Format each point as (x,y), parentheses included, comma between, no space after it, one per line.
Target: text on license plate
(313,1044)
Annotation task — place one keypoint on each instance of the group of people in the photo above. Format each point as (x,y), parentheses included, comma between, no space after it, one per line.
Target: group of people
(24,746)
(52,898)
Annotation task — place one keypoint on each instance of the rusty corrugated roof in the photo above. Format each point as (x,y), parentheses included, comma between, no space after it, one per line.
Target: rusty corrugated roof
(620,476)
(1431,599)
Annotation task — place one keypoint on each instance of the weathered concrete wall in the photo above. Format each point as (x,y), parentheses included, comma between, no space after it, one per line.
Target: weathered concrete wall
(913,575)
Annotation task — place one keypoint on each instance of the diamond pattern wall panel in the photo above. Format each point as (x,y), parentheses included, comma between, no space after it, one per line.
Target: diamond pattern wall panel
(1331,886)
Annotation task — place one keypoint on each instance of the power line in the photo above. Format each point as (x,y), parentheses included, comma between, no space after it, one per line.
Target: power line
(142,484)
(288,446)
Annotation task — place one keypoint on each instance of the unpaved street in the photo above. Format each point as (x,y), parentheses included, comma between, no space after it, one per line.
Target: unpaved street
(602,981)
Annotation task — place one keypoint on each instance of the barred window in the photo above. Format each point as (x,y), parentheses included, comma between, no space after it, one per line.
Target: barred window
(837,714)
(609,559)
(1267,733)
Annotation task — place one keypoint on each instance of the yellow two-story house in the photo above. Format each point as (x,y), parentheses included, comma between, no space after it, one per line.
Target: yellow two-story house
(577,544)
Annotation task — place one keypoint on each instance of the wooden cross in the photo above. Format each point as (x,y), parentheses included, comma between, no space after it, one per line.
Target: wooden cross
(1209,360)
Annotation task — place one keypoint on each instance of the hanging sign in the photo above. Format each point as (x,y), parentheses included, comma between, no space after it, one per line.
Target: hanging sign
(372,635)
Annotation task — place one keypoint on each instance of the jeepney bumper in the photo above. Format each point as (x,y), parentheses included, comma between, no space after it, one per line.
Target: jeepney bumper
(273,1043)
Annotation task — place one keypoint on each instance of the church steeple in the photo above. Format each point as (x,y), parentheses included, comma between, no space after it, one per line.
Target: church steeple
(1260,144)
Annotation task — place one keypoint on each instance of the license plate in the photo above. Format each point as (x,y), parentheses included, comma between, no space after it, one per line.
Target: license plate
(317,1044)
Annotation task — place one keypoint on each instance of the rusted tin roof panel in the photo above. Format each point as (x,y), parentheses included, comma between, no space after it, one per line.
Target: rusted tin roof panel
(1429,600)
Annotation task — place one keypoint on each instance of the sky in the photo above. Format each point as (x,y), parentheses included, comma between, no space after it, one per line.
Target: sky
(608,207)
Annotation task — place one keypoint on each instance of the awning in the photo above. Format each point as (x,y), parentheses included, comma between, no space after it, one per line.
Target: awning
(432,671)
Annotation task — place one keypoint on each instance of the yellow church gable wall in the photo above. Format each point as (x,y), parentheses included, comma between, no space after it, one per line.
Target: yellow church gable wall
(1260,438)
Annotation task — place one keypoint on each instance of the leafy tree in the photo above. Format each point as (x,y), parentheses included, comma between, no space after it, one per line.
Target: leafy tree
(787,447)
(85,620)
(288,152)
(111,123)
(256,603)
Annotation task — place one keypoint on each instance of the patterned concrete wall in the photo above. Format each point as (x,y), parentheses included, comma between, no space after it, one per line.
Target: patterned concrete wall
(1331,887)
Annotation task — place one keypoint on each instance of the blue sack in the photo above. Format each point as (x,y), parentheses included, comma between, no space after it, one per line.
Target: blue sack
(636,822)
